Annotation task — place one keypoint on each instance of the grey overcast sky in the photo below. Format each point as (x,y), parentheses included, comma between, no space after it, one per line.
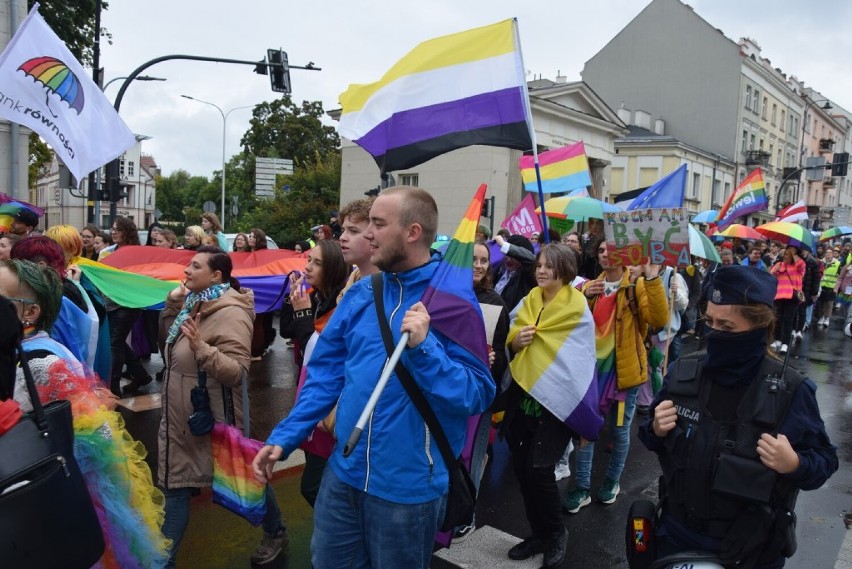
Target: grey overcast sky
(357,41)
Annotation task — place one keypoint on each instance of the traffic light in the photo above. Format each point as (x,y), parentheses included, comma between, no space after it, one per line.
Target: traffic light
(261,67)
(279,75)
(487,207)
(839,164)
(118,190)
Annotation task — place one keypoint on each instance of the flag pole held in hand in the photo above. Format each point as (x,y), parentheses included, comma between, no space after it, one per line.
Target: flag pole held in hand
(390,364)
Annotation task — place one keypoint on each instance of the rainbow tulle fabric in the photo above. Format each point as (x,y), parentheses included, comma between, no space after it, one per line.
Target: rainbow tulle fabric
(129,507)
(234,484)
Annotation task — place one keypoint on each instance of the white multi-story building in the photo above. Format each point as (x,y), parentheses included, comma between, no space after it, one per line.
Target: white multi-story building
(64,204)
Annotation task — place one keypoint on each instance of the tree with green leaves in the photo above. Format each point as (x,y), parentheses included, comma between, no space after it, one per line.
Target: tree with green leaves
(282,129)
(314,192)
(74,22)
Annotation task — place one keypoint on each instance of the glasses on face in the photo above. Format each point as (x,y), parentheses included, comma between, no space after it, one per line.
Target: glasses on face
(21,300)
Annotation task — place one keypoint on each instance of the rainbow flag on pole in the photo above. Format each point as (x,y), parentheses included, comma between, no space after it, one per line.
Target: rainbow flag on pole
(749,197)
(562,170)
(449,298)
(447,93)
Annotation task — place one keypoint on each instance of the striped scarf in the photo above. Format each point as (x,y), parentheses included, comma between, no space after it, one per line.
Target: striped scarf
(210,293)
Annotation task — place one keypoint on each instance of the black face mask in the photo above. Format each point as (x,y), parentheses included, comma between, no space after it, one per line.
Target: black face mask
(732,357)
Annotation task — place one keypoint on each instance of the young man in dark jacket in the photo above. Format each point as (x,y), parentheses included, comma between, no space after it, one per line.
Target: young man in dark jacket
(810,286)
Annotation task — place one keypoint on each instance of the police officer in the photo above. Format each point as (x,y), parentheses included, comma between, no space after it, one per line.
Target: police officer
(737,434)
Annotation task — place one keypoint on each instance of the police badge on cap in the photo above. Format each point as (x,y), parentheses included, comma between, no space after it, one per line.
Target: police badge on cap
(738,284)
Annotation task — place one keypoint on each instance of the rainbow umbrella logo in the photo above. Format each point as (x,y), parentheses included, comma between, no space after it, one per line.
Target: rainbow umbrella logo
(58,79)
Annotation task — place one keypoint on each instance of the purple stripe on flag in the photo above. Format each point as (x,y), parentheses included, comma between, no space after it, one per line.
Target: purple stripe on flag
(733,215)
(424,123)
(586,419)
(269,291)
(456,318)
(514,135)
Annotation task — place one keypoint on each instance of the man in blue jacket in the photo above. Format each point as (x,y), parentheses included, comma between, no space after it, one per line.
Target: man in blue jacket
(381,506)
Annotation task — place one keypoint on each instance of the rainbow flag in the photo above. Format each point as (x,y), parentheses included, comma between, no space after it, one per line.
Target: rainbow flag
(749,197)
(558,368)
(449,298)
(562,170)
(234,484)
(141,277)
(447,93)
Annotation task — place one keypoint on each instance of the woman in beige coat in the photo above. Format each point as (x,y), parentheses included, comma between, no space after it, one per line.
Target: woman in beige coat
(207,322)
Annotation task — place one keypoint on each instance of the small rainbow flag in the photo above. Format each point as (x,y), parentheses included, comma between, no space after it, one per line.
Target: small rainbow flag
(234,484)
(449,298)
(749,197)
(562,170)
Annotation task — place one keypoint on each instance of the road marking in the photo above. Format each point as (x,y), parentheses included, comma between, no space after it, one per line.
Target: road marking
(487,547)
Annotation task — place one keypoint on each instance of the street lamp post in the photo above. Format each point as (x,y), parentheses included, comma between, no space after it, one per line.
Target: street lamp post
(805,121)
(224,132)
(139,78)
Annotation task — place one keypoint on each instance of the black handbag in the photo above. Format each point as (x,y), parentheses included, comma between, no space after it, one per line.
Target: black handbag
(201,420)
(47,519)
(461,495)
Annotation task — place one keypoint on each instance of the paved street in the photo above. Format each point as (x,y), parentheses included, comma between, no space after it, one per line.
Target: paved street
(218,539)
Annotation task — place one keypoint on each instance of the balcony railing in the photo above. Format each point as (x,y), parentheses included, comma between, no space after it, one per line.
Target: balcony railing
(826,145)
(828,182)
(757,158)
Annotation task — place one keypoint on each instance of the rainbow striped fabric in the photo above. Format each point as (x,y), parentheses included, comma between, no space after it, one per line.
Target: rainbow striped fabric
(562,170)
(749,197)
(447,93)
(453,308)
(558,367)
(234,484)
(141,277)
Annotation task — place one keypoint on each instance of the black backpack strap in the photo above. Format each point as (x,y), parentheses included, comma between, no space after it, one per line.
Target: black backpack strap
(414,392)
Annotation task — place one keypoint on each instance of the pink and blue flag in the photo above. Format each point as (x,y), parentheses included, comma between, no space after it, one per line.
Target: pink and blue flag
(563,169)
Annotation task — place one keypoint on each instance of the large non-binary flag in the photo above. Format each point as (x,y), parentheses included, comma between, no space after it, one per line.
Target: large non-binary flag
(749,197)
(453,308)
(667,192)
(447,93)
(558,368)
(793,213)
(46,89)
(562,170)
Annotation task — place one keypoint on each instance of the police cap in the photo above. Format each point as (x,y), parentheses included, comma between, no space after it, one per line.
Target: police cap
(738,284)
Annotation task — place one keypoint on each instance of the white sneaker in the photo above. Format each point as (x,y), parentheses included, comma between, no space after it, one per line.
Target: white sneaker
(823,322)
(783,349)
(797,336)
(848,330)
(563,470)
(775,345)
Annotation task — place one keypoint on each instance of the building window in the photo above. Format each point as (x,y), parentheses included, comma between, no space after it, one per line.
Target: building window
(751,143)
(131,169)
(696,184)
(774,112)
(728,189)
(121,167)
(760,146)
(766,106)
(715,192)
(778,162)
(409,179)
(784,122)
(748,97)
(756,101)
(745,141)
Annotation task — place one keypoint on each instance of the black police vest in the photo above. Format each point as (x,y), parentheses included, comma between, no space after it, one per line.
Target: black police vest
(712,470)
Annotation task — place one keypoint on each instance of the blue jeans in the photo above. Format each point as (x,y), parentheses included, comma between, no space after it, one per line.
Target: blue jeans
(177,517)
(620,445)
(354,530)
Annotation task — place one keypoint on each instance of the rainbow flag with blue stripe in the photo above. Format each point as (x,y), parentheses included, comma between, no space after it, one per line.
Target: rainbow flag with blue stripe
(749,197)
(234,484)
(449,298)
(562,170)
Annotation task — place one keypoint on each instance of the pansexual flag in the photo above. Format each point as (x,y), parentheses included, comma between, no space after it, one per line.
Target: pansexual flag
(447,93)
(449,298)
(749,197)
(562,170)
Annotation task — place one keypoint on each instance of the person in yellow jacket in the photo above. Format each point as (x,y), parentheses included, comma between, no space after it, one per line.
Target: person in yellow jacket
(623,309)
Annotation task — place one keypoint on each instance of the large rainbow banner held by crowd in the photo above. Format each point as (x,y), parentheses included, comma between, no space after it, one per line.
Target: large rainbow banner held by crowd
(141,277)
